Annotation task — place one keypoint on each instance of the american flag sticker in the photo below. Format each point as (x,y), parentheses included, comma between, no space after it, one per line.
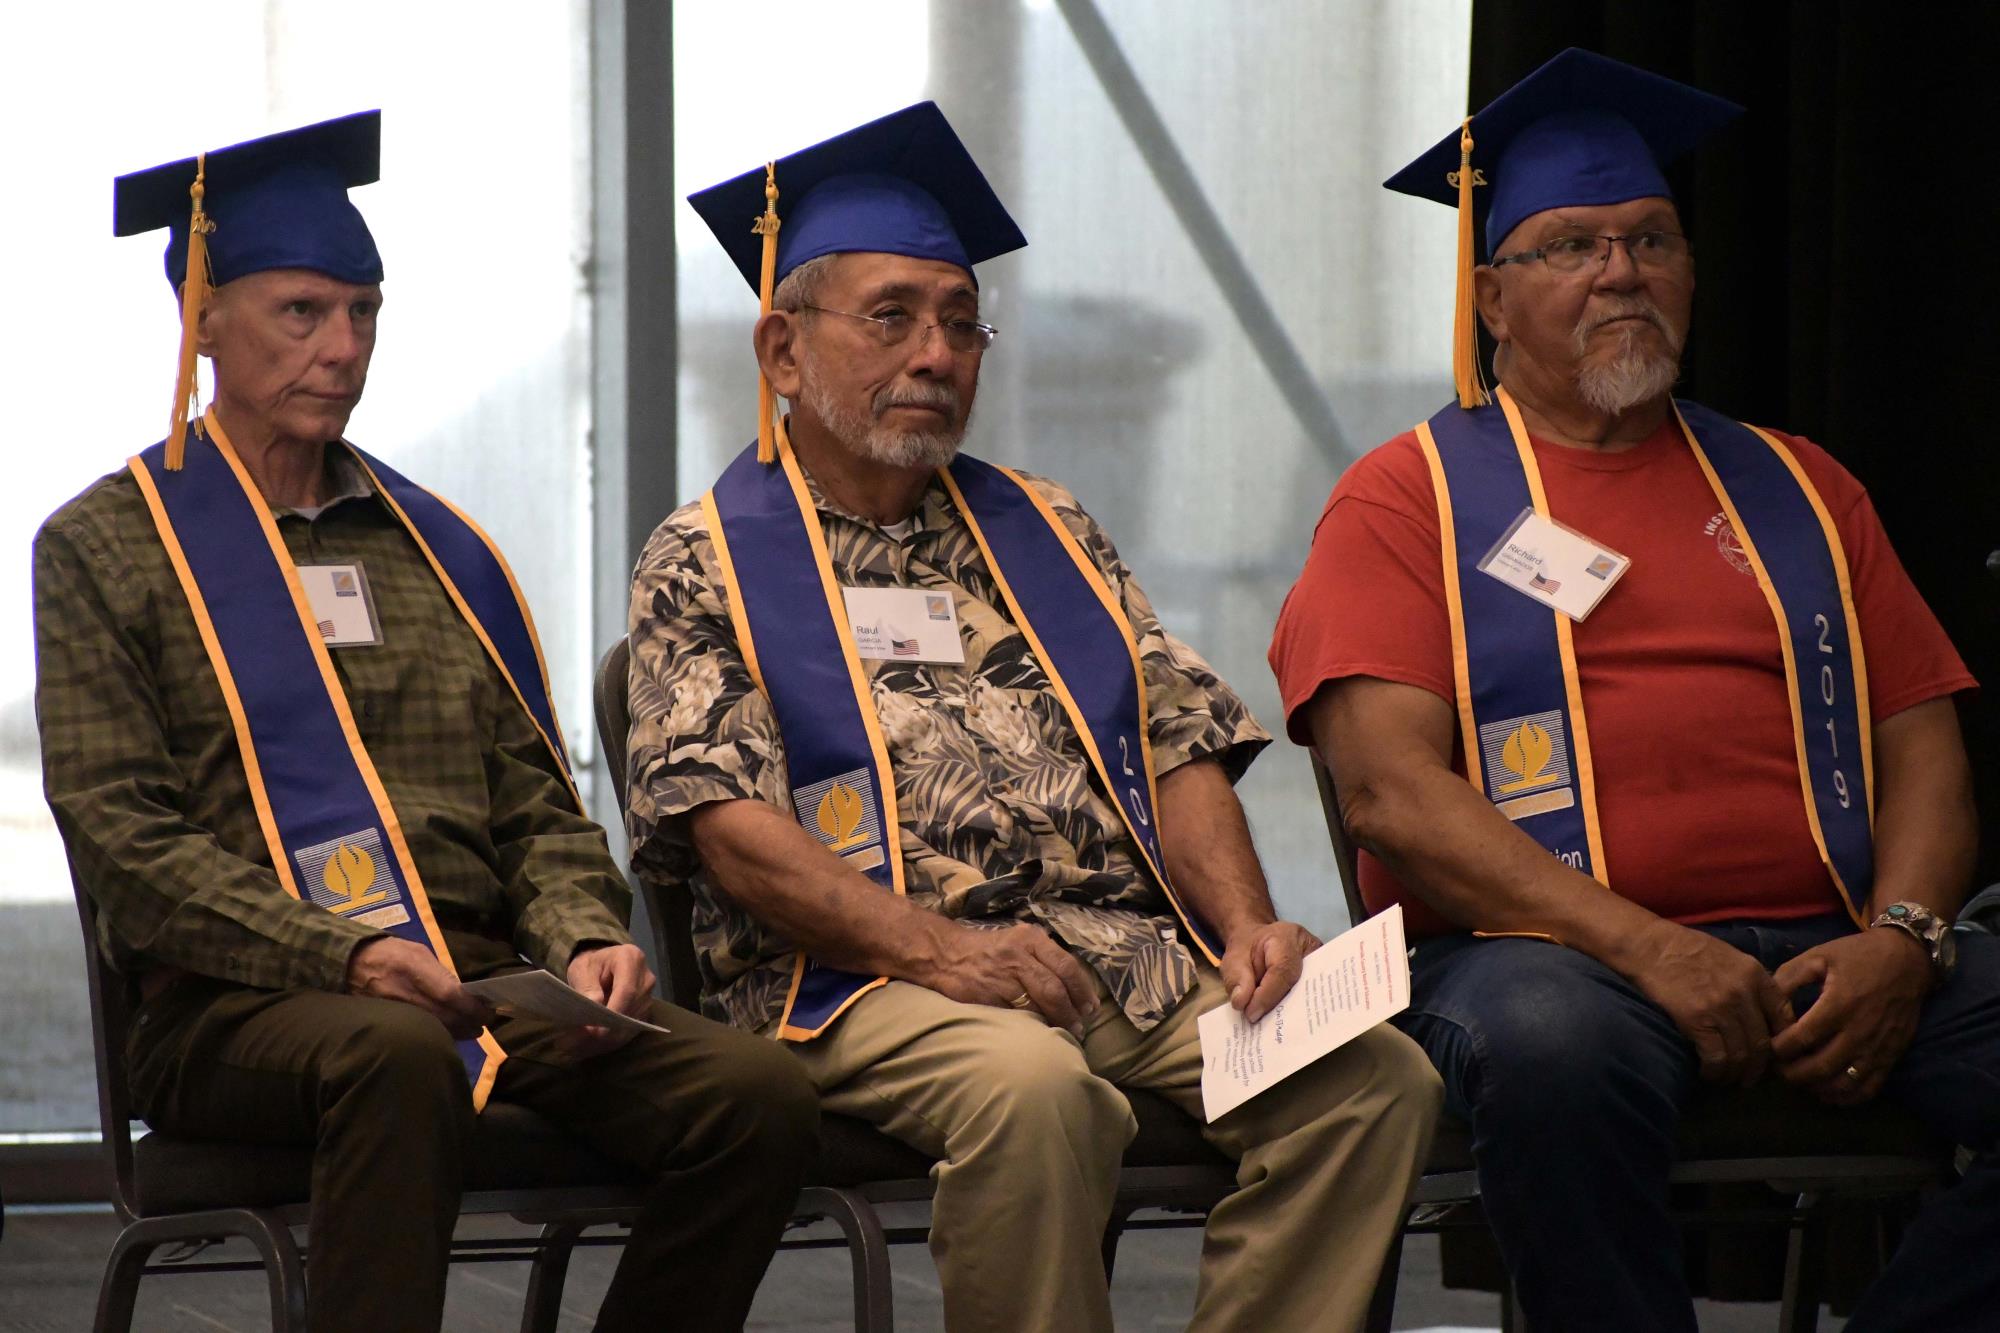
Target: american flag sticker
(1542,584)
(903,647)
(326,629)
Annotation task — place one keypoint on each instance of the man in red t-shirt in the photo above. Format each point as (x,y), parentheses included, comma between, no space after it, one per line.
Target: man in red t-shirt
(1726,948)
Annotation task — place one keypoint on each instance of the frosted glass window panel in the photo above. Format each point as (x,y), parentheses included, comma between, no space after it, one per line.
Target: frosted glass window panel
(479,386)
(1122,368)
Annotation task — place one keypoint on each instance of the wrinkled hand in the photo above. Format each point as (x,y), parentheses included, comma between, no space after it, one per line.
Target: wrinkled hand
(617,977)
(997,967)
(1261,964)
(1720,998)
(1872,988)
(391,968)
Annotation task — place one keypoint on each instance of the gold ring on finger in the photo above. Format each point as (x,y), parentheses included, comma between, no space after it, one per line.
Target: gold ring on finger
(1852,1073)
(1021,1001)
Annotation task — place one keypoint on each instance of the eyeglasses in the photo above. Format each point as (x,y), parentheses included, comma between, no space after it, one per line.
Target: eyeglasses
(960,335)
(1651,251)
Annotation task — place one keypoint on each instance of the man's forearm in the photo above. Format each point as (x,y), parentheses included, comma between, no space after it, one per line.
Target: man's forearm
(1210,858)
(1926,829)
(791,883)
(1445,841)
(1469,862)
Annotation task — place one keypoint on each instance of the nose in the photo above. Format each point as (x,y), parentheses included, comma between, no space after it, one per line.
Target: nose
(340,342)
(931,355)
(1619,271)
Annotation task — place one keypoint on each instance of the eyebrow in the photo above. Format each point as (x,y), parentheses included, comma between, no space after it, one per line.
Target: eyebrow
(1652,220)
(905,291)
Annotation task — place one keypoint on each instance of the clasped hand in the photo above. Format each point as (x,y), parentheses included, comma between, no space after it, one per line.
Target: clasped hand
(1019,967)
(1741,1023)
(391,968)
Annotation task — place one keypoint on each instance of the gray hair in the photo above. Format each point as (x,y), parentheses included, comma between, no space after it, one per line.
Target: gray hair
(802,285)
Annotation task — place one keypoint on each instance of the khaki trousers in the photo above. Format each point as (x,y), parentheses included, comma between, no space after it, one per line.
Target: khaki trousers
(1029,1127)
(718,1125)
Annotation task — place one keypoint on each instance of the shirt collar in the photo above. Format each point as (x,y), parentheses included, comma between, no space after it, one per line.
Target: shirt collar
(346,480)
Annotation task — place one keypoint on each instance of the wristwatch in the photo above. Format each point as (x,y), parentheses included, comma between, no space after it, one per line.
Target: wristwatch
(1928,929)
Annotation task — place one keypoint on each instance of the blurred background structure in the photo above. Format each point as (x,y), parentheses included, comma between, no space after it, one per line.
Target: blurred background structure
(1217,311)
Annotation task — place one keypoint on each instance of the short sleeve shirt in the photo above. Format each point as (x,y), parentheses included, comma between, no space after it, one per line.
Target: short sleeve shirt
(1002,818)
(1682,676)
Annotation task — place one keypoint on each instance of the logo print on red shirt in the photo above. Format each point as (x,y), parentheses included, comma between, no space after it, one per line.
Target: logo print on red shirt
(1727,542)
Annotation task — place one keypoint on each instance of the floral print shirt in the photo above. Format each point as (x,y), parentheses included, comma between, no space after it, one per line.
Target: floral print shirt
(1002,818)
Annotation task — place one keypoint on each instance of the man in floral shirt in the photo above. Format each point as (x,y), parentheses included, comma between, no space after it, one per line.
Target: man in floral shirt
(1035,963)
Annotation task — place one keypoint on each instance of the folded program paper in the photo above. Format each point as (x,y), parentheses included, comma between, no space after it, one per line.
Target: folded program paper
(1348,985)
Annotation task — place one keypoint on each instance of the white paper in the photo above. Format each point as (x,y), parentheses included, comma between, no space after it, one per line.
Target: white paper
(1348,985)
(340,603)
(545,995)
(904,624)
(1556,566)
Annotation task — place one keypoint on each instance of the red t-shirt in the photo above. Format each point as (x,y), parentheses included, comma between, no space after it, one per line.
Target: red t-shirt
(1683,682)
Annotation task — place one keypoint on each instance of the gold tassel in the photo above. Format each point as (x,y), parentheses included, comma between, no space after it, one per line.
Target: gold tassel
(767,227)
(196,288)
(1467,374)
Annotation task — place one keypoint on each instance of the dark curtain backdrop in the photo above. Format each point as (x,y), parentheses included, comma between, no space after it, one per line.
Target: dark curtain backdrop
(1846,237)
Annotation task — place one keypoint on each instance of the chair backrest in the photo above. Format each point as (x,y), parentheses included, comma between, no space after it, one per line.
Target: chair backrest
(1343,846)
(110,1021)
(670,907)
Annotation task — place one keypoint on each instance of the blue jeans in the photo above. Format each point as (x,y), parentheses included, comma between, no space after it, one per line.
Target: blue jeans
(1572,1082)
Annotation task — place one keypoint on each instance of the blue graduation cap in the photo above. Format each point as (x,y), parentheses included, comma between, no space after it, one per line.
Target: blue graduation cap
(900,185)
(275,202)
(1582,130)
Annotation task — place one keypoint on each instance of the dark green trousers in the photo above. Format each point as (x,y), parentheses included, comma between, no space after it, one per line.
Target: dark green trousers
(720,1125)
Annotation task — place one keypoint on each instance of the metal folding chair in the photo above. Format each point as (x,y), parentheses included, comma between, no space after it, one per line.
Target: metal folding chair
(169,1189)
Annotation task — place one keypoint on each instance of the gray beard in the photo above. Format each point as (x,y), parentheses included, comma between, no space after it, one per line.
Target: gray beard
(873,440)
(1625,383)
(1631,377)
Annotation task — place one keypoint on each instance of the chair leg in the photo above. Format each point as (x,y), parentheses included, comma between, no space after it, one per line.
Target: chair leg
(1382,1305)
(1805,1259)
(1114,1231)
(867,1251)
(546,1276)
(119,1292)
(284,1273)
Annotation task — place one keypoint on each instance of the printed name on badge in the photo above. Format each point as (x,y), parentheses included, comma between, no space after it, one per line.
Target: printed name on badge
(1556,566)
(904,625)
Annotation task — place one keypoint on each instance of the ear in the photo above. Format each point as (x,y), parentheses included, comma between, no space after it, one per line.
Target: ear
(205,326)
(776,341)
(1486,296)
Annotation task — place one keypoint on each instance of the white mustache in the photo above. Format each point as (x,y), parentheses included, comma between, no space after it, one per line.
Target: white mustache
(941,396)
(1639,309)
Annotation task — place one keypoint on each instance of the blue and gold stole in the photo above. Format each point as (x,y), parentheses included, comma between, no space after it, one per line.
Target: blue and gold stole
(783,596)
(334,838)
(1520,703)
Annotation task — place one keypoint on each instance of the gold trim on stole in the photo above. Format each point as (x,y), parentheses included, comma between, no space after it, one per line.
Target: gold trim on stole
(308,624)
(1095,578)
(1770,590)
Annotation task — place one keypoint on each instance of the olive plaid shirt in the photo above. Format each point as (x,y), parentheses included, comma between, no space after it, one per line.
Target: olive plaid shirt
(141,766)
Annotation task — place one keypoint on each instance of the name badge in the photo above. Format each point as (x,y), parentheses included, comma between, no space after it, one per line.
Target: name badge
(904,625)
(1554,565)
(341,604)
